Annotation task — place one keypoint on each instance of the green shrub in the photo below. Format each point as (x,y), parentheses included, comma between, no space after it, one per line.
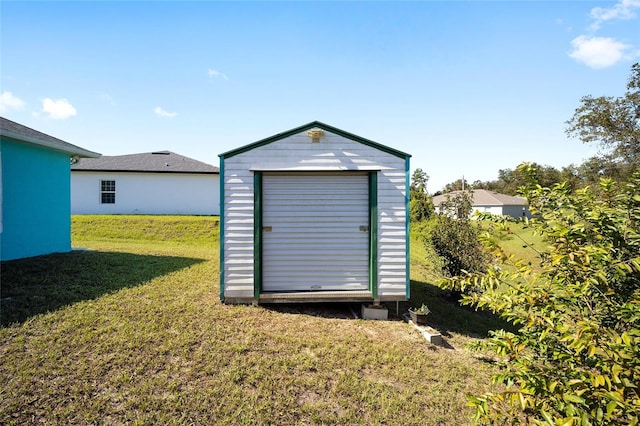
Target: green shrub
(455,238)
(575,357)
(420,207)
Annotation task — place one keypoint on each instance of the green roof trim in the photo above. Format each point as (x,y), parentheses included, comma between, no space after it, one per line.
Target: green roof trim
(407,229)
(221,226)
(314,125)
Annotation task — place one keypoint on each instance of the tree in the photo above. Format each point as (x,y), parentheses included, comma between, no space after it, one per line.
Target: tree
(419,181)
(612,122)
(456,185)
(574,359)
(509,181)
(420,203)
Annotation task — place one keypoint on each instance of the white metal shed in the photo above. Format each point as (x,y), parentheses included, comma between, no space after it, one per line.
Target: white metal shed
(314,214)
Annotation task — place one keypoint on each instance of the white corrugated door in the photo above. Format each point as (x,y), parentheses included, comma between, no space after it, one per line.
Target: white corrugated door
(315,231)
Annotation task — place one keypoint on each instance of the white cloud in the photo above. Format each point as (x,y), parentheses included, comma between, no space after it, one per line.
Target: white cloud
(10,102)
(623,10)
(215,73)
(161,112)
(58,109)
(598,52)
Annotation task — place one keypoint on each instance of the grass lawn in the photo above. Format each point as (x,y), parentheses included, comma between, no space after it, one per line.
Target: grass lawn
(131,331)
(519,241)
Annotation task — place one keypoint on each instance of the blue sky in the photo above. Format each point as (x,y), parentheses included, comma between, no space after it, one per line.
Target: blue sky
(466,87)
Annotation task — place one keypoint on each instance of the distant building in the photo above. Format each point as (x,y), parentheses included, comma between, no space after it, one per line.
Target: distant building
(485,201)
(160,182)
(35,212)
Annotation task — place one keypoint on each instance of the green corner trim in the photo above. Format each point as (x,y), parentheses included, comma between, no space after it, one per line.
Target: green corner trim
(257,235)
(221,225)
(320,125)
(407,228)
(373,234)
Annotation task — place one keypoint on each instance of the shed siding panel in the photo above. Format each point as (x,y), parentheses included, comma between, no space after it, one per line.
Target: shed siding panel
(238,232)
(332,153)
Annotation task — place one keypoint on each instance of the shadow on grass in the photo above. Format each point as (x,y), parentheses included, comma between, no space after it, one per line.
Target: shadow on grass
(448,315)
(45,283)
(337,310)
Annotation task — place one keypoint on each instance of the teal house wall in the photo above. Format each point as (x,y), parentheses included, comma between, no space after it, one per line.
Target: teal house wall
(35,191)
(36,212)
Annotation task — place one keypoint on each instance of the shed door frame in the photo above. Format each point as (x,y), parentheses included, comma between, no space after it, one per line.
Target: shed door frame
(373,232)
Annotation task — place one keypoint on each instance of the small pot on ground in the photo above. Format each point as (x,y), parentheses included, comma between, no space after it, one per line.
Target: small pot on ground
(419,315)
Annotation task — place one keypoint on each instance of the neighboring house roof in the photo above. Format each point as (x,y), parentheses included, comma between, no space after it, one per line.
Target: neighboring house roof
(483,197)
(315,125)
(12,130)
(149,162)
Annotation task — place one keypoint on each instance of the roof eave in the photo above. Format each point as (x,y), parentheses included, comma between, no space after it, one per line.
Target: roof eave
(144,171)
(72,150)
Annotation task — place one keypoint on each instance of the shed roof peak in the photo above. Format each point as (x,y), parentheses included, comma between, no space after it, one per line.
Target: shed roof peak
(311,125)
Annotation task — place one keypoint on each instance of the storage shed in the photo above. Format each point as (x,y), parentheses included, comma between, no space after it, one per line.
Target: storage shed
(314,214)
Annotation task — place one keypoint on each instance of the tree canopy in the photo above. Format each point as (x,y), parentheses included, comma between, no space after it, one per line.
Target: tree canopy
(574,358)
(420,204)
(419,181)
(612,122)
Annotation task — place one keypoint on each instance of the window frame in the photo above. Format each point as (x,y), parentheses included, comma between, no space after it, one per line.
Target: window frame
(108,189)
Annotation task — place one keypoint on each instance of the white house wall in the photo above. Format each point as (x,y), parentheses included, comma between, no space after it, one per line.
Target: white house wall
(497,210)
(506,210)
(298,153)
(147,193)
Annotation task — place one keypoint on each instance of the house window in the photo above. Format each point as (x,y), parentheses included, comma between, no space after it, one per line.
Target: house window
(108,191)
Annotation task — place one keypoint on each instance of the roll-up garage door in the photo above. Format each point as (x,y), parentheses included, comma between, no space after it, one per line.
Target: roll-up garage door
(315,233)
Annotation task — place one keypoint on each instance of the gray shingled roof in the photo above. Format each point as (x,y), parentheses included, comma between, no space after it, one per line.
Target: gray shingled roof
(13,130)
(153,162)
(483,197)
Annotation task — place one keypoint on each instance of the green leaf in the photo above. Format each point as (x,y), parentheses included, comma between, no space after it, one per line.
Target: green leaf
(599,414)
(523,401)
(573,398)
(547,418)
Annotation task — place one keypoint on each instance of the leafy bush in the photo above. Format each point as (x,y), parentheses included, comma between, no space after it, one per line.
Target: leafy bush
(420,207)
(455,238)
(575,358)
